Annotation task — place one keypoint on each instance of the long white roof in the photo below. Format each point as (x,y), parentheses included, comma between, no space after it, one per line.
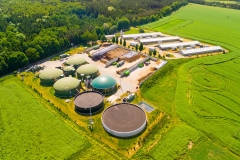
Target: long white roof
(201,50)
(184,44)
(105,50)
(162,39)
(130,54)
(133,42)
(142,35)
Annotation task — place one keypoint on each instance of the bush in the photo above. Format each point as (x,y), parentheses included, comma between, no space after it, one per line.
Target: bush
(140,65)
(141,30)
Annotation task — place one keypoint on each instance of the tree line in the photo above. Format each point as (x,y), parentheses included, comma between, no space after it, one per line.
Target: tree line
(218,4)
(33,30)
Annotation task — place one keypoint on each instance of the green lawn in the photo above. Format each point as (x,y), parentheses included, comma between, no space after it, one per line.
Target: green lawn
(28,130)
(206,94)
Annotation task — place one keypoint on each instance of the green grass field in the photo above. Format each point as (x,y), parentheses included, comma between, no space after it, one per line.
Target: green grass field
(29,130)
(206,94)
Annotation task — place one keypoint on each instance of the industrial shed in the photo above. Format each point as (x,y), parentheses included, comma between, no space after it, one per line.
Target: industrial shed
(69,70)
(98,54)
(75,61)
(124,120)
(160,39)
(151,49)
(201,50)
(89,102)
(141,35)
(87,70)
(66,87)
(104,84)
(109,37)
(49,76)
(133,43)
(178,45)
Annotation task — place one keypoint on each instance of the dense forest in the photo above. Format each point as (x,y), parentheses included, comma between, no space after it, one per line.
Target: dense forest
(31,30)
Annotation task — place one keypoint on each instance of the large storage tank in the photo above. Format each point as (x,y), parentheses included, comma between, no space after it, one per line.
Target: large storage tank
(66,87)
(49,76)
(124,120)
(89,100)
(75,61)
(104,84)
(87,70)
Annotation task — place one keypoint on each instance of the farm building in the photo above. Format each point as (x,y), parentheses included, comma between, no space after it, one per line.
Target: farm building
(69,70)
(178,45)
(141,35)
(160,39)
(101,52)
(66,87)
(87,70)
(104,84)
(75,61)
(152,49)
(109,37)
(133,43)
(201,50)
(49,76)
(89,100)
(124,120)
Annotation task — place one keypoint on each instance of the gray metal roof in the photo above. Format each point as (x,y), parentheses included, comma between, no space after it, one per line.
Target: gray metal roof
(201,50)
(160,39)
(142,35)
(184,44)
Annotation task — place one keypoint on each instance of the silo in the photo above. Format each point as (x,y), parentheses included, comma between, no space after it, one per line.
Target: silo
(89,101)
(75,61)
(87,70)
(104,84)
(124,120)
(66,87)
(49,75)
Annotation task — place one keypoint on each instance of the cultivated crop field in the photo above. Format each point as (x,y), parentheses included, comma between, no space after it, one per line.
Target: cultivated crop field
(207,88)
(29,130)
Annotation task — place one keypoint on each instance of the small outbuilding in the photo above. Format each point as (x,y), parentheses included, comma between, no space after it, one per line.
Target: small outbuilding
(87,70)
(66,87)
(49,76)
(104,84)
